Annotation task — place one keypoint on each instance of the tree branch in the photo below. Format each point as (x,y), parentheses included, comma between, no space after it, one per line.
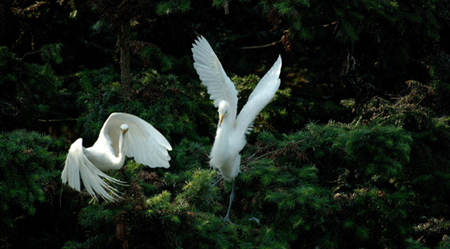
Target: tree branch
(262,46)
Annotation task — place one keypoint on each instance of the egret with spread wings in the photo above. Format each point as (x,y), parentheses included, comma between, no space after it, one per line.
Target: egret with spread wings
(231,130)
(121,135)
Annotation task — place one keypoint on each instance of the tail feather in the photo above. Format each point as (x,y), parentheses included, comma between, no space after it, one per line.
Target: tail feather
(78,166)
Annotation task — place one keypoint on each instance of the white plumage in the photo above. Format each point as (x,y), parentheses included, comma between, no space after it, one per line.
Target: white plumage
(121,135)
(231,131)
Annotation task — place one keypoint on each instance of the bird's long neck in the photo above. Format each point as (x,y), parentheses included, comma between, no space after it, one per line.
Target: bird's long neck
(120,159)
(221,140)
(223,129)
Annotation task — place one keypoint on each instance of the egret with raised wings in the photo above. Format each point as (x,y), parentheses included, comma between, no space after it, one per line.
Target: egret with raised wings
(121,135)
(231,130)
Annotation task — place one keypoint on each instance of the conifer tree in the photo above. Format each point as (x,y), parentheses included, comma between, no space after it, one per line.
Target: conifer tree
(120,15)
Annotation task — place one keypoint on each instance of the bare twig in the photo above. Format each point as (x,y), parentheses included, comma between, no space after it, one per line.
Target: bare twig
(57,120)
(262,46)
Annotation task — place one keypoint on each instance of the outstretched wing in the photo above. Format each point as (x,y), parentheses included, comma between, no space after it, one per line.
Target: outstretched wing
(78,165)
(213,76)
(260,97)
(142,141)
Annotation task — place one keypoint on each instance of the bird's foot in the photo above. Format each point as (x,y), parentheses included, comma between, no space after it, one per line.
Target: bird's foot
(255,220)
(227,219)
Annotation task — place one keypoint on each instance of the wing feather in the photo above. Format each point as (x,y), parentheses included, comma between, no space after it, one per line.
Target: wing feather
(213,76)
(142,141)
(259,98)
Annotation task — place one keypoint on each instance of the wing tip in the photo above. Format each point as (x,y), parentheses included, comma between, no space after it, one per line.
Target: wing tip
(277,64)
(276,70)
(200,38)
(201,45)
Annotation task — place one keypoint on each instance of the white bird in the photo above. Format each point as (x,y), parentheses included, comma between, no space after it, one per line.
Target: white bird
(231,131)
(121,135)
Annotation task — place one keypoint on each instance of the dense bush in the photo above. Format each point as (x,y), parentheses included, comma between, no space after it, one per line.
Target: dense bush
(329,186)
(353,185)
(31,201)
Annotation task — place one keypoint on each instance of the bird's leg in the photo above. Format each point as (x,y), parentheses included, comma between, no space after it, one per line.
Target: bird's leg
(93,200)
(227,217)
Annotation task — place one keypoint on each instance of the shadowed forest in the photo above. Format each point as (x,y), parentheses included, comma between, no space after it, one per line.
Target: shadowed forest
(352,152)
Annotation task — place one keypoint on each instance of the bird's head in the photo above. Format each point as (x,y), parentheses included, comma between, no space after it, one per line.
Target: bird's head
(223,110)
(124,128)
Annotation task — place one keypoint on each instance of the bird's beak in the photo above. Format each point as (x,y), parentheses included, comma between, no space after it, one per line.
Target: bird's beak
(220,119)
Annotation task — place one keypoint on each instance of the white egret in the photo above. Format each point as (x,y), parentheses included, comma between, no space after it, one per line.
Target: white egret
(231,131)
(121,135)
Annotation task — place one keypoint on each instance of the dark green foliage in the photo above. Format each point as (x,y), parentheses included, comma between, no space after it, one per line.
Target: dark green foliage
(427,173)
(29,91)
(174,6)
(300,198)
(30,166)
(284,198)
(27,166)
(336,185)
